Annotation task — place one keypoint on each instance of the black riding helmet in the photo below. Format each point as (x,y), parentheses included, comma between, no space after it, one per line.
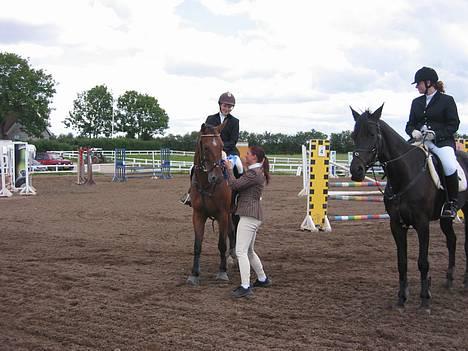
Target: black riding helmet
(426,73)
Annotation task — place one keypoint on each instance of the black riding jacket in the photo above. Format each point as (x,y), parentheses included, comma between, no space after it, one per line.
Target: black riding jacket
(440,115)
(229,134)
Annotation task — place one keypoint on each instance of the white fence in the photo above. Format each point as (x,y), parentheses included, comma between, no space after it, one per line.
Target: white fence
(283,165)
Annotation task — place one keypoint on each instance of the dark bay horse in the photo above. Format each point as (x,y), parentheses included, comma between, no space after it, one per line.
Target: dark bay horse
(411,198)
(211,198)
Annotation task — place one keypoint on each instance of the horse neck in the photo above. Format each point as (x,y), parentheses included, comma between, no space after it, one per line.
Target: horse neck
(400,163)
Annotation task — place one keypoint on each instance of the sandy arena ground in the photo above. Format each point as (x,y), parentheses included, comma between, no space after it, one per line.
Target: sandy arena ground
(104,268)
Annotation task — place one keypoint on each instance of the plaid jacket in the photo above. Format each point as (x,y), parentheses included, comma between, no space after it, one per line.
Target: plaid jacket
(250,187)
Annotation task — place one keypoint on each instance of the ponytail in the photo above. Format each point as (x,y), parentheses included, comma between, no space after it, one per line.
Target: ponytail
(440,86)
(261,158)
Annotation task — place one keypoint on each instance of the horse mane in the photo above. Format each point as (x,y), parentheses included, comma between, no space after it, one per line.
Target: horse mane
(387,129)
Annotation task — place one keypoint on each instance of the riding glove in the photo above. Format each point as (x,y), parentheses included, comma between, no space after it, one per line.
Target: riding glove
(429,134)
(416,134)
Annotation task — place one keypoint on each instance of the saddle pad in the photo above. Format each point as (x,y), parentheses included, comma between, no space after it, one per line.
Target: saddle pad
(461,178)
(462,183)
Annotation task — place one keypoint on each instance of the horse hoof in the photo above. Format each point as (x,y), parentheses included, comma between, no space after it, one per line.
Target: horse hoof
(425,306)
(222,276)
(193,280)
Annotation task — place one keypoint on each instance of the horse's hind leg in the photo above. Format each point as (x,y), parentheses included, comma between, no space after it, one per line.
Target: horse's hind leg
(223,222)
(232,236)
(465,214)
(199,227)
(447,228)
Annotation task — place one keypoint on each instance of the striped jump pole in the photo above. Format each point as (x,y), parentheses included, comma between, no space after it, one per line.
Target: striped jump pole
(356,198)
(357,184)
(316,217)
(318,194)
(358,217)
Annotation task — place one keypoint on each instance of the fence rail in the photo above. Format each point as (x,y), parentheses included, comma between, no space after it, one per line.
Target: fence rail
(278,164)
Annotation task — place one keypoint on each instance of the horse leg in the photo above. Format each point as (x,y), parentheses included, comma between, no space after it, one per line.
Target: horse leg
(399,235)
(447,228)
(232,235)
(465,214)
(422,229)
(223,223)
(199,227)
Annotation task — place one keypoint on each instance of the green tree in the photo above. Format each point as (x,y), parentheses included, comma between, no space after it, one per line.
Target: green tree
(140,116)
(341,142)
(92,113)
(25,94)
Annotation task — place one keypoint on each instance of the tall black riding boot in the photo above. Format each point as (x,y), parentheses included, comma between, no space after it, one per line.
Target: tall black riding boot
(450,208)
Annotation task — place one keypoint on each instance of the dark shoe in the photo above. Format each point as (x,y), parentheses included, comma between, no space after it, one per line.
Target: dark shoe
(265,284)
(449,210)
(185,200)
(242,292)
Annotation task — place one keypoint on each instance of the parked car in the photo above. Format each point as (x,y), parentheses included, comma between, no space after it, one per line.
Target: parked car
(37,166)
(52,159)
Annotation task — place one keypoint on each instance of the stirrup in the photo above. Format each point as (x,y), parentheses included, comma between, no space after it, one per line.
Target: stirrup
(185,200)
(449,210)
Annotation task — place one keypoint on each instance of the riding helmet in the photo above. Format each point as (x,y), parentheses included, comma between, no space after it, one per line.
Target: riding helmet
(227,98)
(426,73)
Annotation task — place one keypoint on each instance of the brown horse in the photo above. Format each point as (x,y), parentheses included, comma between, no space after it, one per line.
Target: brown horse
(211,198)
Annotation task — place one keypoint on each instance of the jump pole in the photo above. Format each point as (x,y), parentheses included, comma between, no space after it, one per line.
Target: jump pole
(316,218)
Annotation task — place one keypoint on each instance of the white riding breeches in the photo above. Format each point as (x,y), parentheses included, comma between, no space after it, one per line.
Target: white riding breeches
(446,155)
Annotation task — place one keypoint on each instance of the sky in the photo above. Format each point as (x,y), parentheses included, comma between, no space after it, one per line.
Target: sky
(292,65)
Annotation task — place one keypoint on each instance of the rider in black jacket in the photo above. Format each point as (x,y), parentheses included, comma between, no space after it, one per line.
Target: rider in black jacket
(229,133)
(434,119)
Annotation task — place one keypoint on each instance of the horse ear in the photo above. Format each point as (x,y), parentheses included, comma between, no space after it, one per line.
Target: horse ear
(378,113)
(203,127)
(355,114)
(220,127)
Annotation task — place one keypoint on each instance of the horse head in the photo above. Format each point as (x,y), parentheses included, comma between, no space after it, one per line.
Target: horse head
(210,148)
(367,141)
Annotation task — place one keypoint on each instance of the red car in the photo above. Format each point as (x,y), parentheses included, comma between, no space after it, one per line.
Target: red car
(53,159)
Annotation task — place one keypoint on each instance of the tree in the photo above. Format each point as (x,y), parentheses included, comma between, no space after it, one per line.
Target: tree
(25,94)
(341,142)
(92,113)
(140,115)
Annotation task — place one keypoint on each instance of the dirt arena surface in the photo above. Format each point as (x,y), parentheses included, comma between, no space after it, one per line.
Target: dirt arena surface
(104,268)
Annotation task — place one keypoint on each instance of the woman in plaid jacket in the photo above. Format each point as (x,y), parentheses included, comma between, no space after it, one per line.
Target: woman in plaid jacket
(250,187)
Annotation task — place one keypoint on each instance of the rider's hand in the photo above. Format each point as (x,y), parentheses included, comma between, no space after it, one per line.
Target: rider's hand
(429,135)
(416,134)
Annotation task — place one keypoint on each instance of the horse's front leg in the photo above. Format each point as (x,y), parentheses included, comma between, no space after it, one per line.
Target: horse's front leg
(447,228)
(199,228)
(223,223)
(423,264)
(399,235)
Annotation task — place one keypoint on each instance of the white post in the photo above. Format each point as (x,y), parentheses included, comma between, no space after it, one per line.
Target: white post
(4,192)
(28,189)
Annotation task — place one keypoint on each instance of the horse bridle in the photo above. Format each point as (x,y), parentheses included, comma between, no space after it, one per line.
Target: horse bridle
(203,161)
(374,149)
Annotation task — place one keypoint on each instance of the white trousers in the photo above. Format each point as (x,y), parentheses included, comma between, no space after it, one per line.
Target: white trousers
(246,256)
(446,155)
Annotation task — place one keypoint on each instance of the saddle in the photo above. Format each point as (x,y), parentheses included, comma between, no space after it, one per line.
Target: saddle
(436,171)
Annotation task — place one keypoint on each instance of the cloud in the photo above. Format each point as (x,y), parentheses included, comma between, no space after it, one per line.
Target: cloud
(290,68)
(14,31)
(200,17)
